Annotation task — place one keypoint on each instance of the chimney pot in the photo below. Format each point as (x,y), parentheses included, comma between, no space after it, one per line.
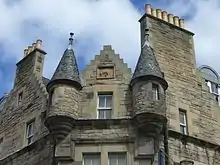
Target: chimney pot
(164,16)
(153,12)
(25,52)
(170,18)
(29,49)
(176,20)
(159,13)
(39,44)
(181,23)
(148,9)
(33,46)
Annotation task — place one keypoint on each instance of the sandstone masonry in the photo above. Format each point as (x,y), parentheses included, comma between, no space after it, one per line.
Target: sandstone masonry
(165,112)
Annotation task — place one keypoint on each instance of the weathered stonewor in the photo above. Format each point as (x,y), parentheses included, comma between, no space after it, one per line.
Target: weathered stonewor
(143,124)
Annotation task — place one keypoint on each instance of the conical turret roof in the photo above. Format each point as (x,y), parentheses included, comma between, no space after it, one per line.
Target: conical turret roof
(147,65)
(67,69)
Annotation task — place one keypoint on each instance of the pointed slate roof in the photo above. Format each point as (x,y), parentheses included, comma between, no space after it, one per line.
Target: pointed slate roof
(147,65)
(67,69)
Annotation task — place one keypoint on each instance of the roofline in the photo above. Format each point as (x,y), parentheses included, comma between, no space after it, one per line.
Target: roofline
(208,67)
(155,18)
(36,49)
(162,81)
(64,81)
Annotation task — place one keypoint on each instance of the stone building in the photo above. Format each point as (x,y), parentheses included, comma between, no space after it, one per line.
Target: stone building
(166,112)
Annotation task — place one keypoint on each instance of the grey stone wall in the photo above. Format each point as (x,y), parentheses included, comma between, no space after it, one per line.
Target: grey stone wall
(38,153)
(118,84)
(64,101)
(15,117)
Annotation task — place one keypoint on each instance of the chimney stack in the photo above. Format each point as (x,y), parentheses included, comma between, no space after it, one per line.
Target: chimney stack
(37,45)
(163,15)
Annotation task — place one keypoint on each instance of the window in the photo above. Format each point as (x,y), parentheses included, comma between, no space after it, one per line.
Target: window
(20,97)
(30,132)
(155,90)
(117,158)
(104,106)
(51,97)
(91,159)
(183,123)
(144,161)
(213,87)
(161,157)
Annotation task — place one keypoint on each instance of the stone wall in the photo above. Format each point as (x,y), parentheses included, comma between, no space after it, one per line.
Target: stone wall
(200,152)
(174,50)
(38,153)
(64,101)
(116,82)
(16,116)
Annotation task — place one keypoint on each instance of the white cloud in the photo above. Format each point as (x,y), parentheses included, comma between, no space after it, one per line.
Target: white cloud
(101,22)
(97,23)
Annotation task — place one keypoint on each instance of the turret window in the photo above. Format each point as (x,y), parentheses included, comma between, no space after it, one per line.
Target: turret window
(51,97)
(104,106)
(20,98)
(1,143)
(155,91)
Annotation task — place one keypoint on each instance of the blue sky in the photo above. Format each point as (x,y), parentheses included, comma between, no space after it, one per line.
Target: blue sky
(95,23)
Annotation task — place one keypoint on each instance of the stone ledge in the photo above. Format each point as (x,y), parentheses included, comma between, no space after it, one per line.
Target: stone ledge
(103,123)
(194,140)
(104,141)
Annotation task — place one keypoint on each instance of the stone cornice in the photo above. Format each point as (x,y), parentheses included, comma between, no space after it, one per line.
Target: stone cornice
(103,123)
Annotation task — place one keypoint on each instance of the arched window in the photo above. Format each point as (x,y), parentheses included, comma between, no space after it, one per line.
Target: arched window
(211,78)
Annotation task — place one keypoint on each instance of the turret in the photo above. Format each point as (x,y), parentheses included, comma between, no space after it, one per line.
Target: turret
(149,107)
(63,90)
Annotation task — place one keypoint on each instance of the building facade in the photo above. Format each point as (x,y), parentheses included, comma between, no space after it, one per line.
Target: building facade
(166,112)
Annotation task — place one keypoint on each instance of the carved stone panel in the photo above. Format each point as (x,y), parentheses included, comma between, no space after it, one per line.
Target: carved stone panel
(105,72)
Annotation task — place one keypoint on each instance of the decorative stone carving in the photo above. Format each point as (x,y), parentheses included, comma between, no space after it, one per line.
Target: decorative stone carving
(105,72)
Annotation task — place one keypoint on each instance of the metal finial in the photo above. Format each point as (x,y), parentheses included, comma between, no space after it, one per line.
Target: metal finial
(71,35)
(70,41)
